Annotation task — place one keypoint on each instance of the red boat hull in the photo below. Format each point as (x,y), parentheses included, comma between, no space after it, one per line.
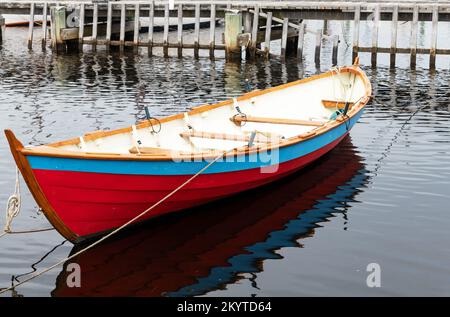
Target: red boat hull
(96,202)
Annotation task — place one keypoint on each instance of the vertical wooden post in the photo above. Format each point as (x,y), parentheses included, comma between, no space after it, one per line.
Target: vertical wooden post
(413,44)
(434,35)
(44,26)
(394,28)
(81,27)
(122,26)
(356,21)
(2,28)
(31,27)
(233,25)
(58,21)
(301,39)
(197,29)
(284,36)
(136,27)
(108,24)
(268,34)
(212,34)
(166,31)
(254,35)
(334,57)
(94,26)
(151,16)
(180,31)
(247,29)
(376,22)
(319,36)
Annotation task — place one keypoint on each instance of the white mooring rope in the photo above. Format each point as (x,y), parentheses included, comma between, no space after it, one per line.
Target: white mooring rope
(12,206)
(4,290)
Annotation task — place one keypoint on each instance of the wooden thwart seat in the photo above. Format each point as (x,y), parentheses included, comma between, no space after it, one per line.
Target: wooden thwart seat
(152,151)
(240,118)
(225,136)
(332,104)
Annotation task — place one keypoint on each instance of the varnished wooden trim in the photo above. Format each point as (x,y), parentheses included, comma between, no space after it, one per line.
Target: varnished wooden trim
(28,175)
(239,119)
(224,136)
(332,104)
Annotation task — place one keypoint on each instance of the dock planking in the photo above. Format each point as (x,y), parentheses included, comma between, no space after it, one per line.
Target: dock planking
(116,23)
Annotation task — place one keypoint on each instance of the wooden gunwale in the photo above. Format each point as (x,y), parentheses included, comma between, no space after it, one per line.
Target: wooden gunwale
(52,151)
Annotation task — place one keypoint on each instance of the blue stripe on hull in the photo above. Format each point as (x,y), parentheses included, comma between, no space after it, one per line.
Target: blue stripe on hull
(187,168)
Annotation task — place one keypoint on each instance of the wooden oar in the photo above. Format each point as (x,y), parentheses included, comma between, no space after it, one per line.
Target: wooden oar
(225,136)
(238,119)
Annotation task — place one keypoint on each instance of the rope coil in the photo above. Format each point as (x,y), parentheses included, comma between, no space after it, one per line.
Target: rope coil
(12,206)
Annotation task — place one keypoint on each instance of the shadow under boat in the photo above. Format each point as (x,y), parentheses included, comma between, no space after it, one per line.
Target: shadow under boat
(195,252)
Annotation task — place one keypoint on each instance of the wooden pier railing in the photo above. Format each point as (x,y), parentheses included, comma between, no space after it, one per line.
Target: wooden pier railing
(252,25)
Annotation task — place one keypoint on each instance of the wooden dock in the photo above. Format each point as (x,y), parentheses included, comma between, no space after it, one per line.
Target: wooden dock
(249,25)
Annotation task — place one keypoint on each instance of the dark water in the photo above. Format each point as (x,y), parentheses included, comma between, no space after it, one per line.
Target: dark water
(381,197)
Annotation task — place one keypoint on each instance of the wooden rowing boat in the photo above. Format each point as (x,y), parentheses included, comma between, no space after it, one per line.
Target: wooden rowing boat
(92,184)
(219,242)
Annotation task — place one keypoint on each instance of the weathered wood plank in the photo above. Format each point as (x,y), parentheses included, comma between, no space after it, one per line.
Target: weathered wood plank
(267,35)
(166,30)
(180,31)
(394,34)
(212,33)
(31,27)
(356,27)
(44,26)
(94,25)
(151,18)
(80,28)
(434,36)
(375,27)
(197,29)
(413,42)
(284,37)
(301,40)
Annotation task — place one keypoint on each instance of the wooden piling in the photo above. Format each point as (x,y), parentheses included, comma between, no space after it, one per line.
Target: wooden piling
(136,27)
(434,35)
(356,22)
(284,36)
(301,39)
(2,28)
(319,36)
(254,35)
(334,58)
(81,27)
(44,26)
(151,18)
(108,24)
(122,25)
(94,26)
(247,17)
(197,30)
(413,41)
(394,28)
(180,31)
(233,25)
(31,27)
(166,31)
(376,22)
(268,33)
(58,22)
(212,33)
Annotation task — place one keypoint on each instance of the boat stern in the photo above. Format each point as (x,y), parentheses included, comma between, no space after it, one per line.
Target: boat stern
(25,169)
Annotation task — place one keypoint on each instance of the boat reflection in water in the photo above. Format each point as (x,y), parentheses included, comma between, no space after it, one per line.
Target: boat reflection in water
(199,251)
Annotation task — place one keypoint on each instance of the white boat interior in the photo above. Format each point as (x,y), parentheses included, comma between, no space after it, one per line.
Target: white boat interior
(280,113)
